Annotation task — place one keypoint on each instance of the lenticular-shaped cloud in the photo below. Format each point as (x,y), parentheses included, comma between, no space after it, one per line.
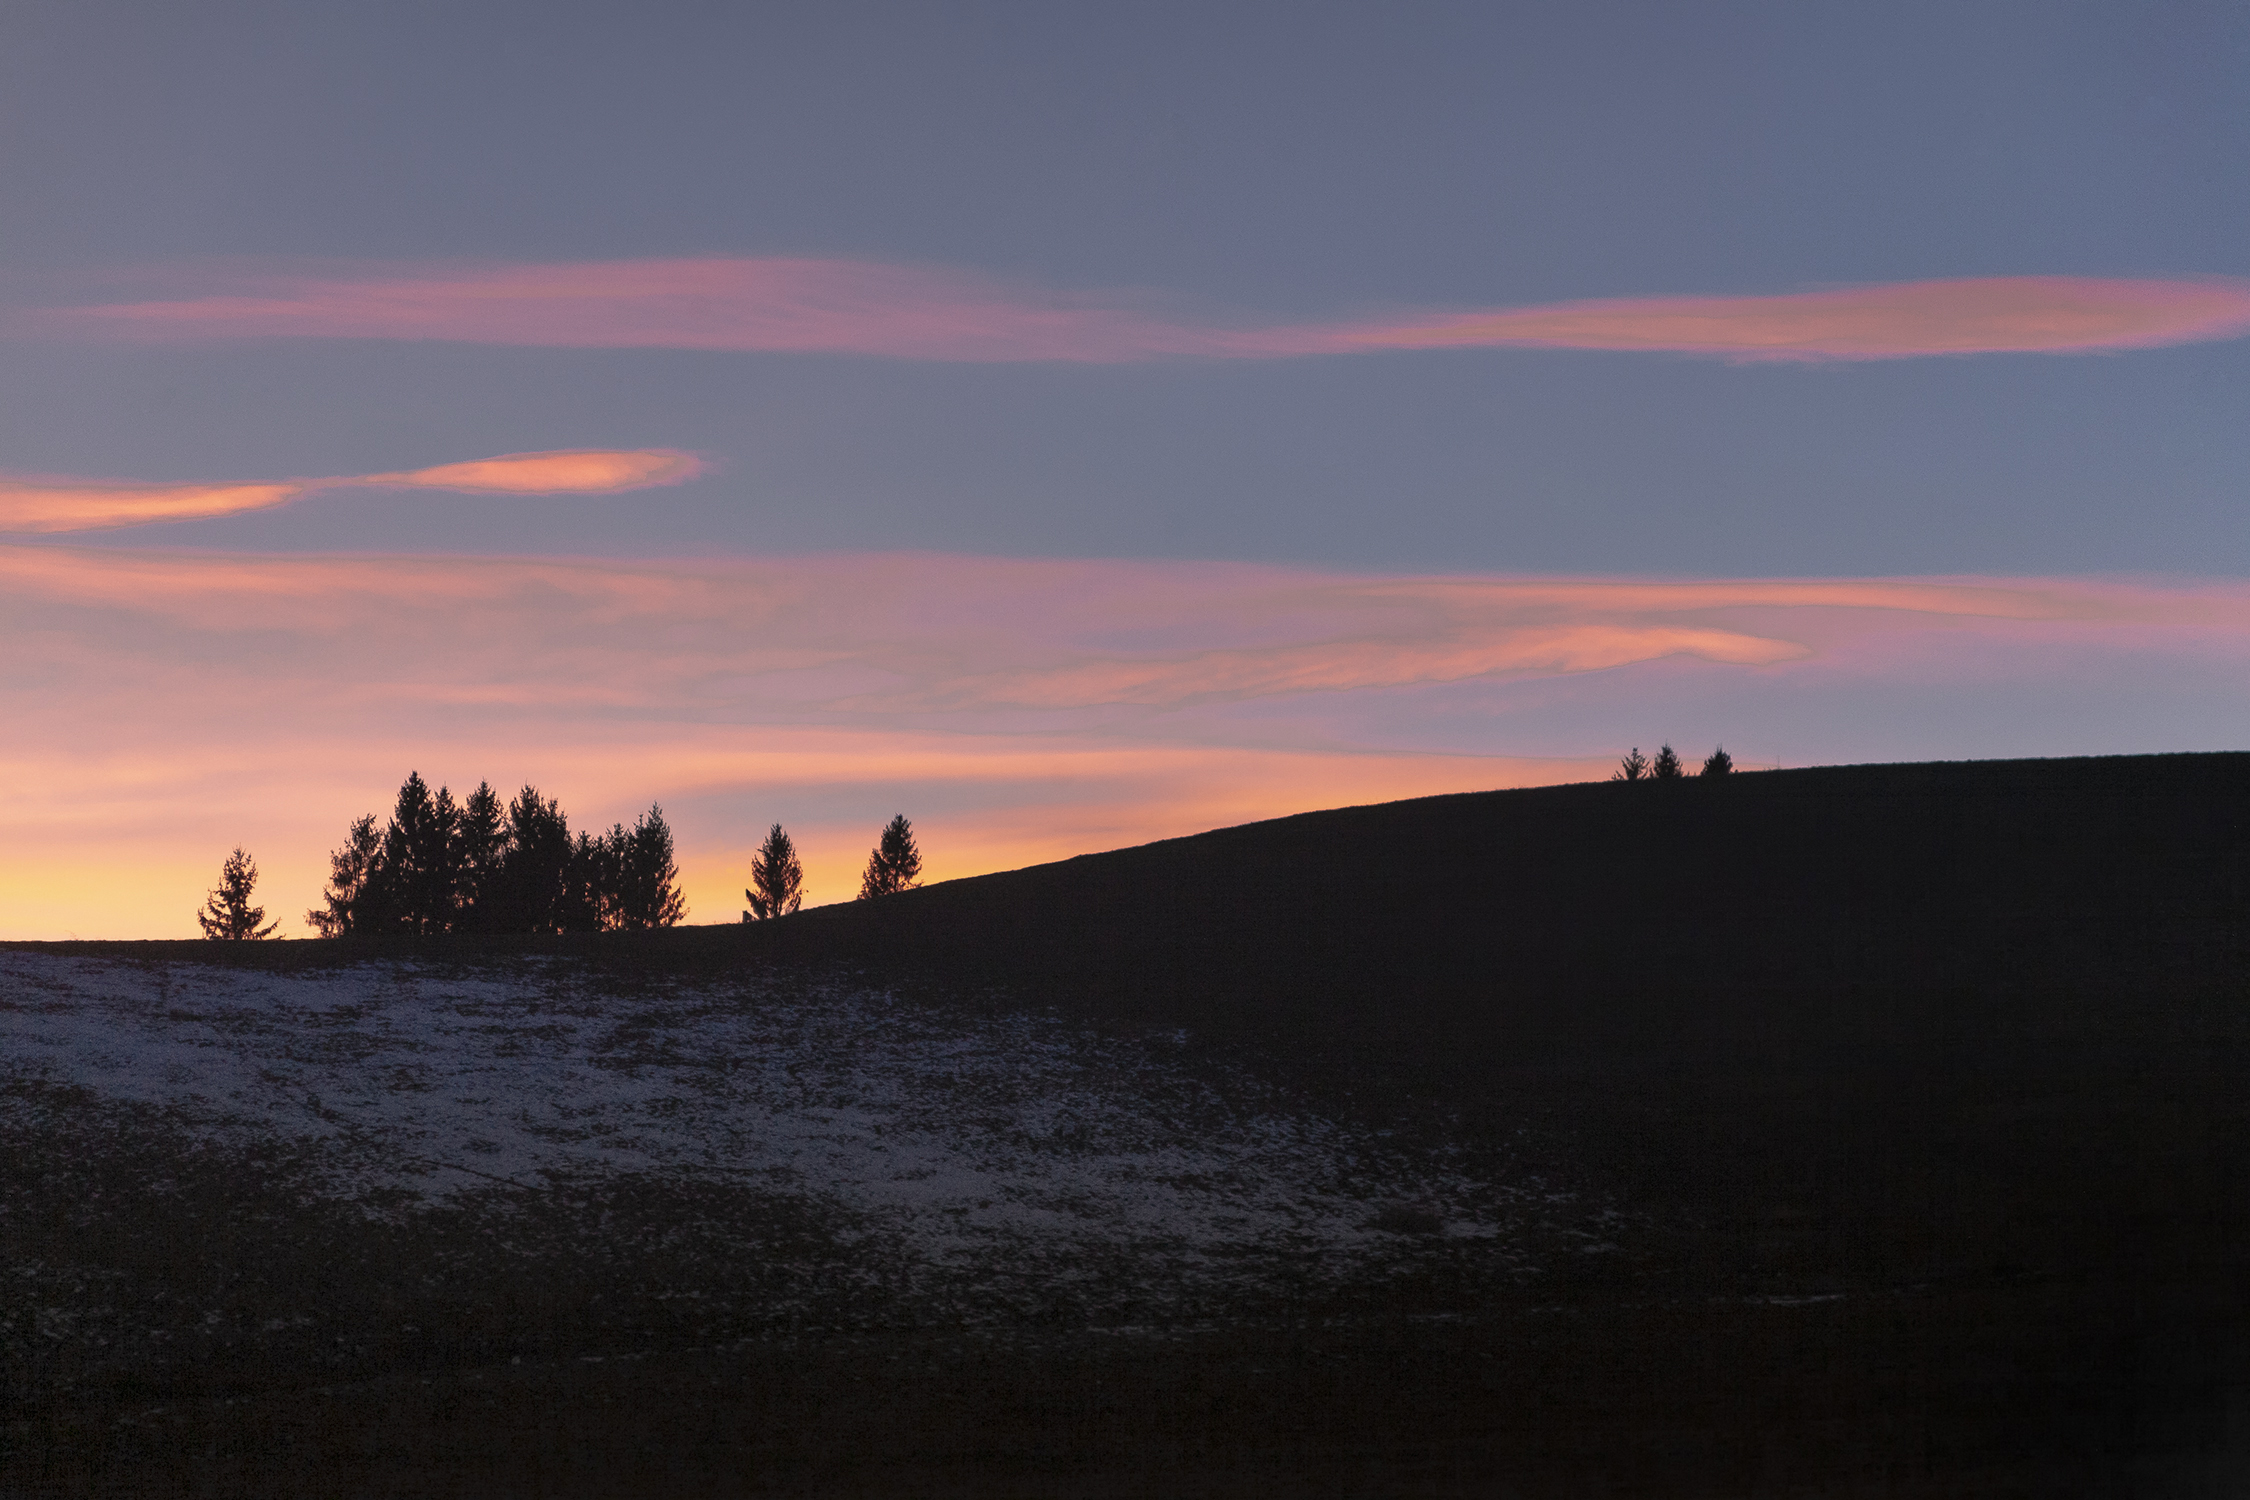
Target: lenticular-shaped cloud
(574,471)
(805,305)
(39,505)
(1989,315)
(49,505)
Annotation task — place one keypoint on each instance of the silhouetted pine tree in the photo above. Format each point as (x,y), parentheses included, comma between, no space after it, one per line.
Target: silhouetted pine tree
(414,891)
(777,881)
(1666,766)
(535,870)
(1632,768)
(895,864)
(228,915)
(647,878)
(480,851)
(590,882)
(1719,764)
(351,869)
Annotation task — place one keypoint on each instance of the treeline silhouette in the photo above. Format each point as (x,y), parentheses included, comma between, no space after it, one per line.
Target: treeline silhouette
(1668,767)
(479,866)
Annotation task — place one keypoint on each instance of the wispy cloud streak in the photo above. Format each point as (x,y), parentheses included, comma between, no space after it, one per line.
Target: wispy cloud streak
(804,305)
(46,504)
(157,707)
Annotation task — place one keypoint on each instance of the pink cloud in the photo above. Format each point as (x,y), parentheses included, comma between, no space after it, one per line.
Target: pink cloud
(53,504)
(1987,315)
(571,471)
(803,305)
(29,505)
(160,707)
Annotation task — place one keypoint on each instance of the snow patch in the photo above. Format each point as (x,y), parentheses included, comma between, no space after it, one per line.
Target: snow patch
(1014,1145)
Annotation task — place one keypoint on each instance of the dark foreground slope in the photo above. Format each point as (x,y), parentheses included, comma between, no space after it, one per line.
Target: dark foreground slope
(1905,905)
(1966,1042)
(1921,1095)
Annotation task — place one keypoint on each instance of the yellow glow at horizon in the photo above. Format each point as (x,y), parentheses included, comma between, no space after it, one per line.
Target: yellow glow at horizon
(158,708)
(119,872)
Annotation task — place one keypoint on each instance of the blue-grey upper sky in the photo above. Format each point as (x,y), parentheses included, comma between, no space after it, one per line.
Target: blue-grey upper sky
(1291,163)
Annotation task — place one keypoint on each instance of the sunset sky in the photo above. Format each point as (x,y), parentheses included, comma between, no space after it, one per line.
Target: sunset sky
(1074,425)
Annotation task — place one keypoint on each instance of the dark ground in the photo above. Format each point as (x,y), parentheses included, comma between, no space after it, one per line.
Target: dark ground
(1927,1082)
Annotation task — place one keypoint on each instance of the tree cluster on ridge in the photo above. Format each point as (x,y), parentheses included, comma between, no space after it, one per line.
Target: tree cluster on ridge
(479,866)
(1668,767)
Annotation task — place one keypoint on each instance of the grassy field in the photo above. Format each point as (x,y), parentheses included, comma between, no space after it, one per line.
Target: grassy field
(1856,1131)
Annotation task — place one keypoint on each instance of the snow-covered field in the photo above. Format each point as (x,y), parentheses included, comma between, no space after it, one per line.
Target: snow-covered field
(983,1153)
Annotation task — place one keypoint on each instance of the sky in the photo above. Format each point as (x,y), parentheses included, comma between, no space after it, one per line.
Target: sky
(1073,425)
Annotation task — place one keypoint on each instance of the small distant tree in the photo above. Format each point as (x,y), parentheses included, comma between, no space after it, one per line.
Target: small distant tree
(1719,764)
(777,880)
(1666,766)
(648,893)
(1633,767)
(351,869)
(228,915)
(895,864)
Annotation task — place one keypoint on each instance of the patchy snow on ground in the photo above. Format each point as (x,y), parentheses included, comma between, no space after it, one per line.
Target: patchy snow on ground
(980,1146)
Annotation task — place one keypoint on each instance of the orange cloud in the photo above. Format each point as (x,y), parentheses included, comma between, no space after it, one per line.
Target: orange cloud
(47,505)
(805,305)
(570,471)
(41,505)
(156,708)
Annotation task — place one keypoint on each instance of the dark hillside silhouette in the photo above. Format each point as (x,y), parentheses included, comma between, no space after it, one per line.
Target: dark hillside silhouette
(1846,903)
(1973,1035)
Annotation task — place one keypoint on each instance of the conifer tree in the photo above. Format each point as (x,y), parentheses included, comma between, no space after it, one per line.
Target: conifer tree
(351,869)
(480,850)
(1666,766)
(648,892)
(777,880)
(590,882)
(535,870)
(895,864)
(1719,764)
(228,915)
(415,892)
(1632,768)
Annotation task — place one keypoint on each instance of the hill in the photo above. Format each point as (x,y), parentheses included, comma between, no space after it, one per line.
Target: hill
(1901,903)
(1874,1129)
(1973,1032)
